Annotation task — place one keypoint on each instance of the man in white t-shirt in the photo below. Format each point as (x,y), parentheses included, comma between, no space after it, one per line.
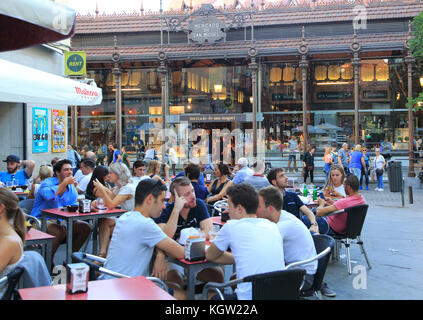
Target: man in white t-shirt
(298,244)
(136,234)
(79,175)
(256,244)
(87,168)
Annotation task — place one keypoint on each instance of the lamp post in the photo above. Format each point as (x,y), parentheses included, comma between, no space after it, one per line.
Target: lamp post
(118,84)
(356,62)
(303,50)
(252,53)
(409,60)
(162,71)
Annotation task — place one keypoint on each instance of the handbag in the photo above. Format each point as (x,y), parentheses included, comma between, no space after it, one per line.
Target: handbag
(379,172)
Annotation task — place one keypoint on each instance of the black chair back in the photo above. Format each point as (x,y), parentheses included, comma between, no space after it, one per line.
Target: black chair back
(321,242)
(355,220)
(277,285)
(12,283)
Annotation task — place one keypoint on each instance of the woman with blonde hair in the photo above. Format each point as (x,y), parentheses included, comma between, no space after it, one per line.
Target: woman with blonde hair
(357,162)
(327,158)
(153,171)
(12,234)
(44,173)
(122,195)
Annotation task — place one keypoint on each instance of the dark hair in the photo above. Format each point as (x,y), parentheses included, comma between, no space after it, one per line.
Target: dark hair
(224,169)
(272,197)
(192,171)
(54,160)
(180,181)
(273,173)
(88,162)
(59,165)
(100,172)
(137,164)
(115,145)
(245,195)
(352,181)
(13,212)
(146,187)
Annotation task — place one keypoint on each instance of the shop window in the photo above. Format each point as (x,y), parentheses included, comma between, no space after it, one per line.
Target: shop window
(124,79)
(333,72)
(275,74)
(288,74)
(135,78)
(367,72)
(382,72)
(347,72)
(320,73)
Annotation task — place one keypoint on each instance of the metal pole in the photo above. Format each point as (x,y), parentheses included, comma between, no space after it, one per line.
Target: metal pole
(118,84)
(303,50)
(252,52)
(355,48)
(163,72)
(409,60)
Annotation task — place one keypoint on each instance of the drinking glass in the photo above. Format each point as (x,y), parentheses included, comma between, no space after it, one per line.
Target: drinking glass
(100,204)
(9,184)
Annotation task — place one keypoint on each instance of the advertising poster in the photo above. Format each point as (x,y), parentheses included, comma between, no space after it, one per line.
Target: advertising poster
(58,120)
(39,130)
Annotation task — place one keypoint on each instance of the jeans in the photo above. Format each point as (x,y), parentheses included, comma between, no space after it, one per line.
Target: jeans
(356,172)
(380,181)
(306,171)
(322,223)
(366,176)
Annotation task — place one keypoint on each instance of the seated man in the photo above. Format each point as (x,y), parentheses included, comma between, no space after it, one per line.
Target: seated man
(338,223)
(255,243)
(87,169)
(192,172)
(57,192)
(135,234)
(298,244)
(243,171)
(13,172)
(184,210)
(291,202)
(79,175)
(258,180)
(182,174)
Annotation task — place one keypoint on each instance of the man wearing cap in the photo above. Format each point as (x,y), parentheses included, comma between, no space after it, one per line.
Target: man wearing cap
(243,171)
(12,173)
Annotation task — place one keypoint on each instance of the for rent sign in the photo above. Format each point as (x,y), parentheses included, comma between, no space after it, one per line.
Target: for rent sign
(75,63)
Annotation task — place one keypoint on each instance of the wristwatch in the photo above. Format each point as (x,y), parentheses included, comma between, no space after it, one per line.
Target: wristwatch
(314,223)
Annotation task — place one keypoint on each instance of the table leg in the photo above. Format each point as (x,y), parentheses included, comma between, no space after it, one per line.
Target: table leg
(47,256)
(95,235)
(43,222)
(69,226)
(190,282)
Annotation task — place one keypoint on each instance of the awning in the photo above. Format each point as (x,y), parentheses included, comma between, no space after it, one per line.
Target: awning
(24,23)
(22,84)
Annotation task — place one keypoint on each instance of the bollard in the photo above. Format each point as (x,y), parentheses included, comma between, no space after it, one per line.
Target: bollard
(410,194)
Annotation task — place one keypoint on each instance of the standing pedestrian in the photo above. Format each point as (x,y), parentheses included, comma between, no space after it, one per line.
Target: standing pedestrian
(292,153)
(365,170)
(343,159)
(357,162)
(308,164)
(379,163)
(327,158)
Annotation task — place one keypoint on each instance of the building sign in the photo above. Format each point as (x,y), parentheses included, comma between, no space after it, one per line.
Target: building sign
(39,130)
(58,118)
(335,95)
(286,96)
(214,118)
(206,30)
(375,94)
(75,63)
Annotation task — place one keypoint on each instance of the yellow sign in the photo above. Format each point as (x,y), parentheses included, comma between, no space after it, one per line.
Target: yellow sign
(75,63)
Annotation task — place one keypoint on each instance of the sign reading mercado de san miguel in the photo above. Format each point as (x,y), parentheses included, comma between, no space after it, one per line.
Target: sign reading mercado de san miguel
(208,29)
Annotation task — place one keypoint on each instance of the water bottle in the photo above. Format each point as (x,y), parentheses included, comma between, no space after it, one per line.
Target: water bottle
(315,193)
(305,191)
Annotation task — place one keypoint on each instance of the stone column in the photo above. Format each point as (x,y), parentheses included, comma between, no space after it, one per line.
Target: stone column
(356,62)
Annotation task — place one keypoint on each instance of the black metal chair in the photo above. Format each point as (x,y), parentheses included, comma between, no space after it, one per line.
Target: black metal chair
(12,280)
(323,244)
(276,285)
(355,222)
(86,258)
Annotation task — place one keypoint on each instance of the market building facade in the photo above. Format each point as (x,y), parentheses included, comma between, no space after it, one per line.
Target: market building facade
(342,68)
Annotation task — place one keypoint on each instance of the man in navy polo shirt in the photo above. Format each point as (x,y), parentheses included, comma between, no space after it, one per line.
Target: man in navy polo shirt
(184,210)
(12,173)
(291,202)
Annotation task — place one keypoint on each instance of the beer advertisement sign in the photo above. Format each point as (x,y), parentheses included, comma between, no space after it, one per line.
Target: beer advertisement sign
(58,130)
(39,130)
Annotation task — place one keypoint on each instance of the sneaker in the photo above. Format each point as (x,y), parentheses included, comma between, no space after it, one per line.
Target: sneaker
(377,189)
(380,189)
(360,188)
(326,291)
(367,187)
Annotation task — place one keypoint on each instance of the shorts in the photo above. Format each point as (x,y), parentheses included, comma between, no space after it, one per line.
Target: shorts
(292,156)
(181,270)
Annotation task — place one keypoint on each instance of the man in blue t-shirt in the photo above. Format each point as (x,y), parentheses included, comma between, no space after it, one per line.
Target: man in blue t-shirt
(57,192)
(184,210)
(13,172)
(117,157)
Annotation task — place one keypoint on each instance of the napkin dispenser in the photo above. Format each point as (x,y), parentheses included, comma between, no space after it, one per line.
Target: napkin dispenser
(84,206)
(77,278)
(195,249)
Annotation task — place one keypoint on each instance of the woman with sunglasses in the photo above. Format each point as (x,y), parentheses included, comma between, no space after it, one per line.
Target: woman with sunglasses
(365,169)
